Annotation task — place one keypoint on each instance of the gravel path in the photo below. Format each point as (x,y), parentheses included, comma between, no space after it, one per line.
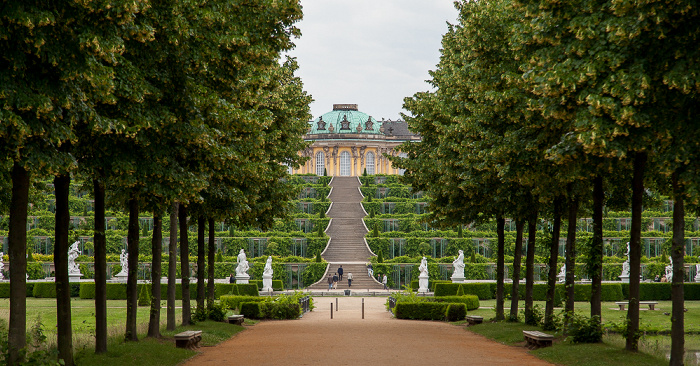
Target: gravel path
(379,339)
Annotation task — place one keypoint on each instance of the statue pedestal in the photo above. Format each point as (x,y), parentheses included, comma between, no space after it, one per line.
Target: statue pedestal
(267,283)
(243,279)
(562,278)
(624,278)
(697,277)
(423,283)
(457,279)
(74,277)
(122,277)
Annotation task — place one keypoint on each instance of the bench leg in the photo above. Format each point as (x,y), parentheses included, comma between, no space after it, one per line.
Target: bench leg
(651,306)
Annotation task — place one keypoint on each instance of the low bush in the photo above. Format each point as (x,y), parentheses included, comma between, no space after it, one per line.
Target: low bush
(234,301)
(421,310)
(217,312)
(46,290)
(470,301)
(250,310)
(456,312)
(585,330)
(250,289)
(277,285)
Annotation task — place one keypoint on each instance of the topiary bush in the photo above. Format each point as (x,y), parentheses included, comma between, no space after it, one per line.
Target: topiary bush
(456,312)
(470,301)
(46,290)
(144,295)
(234,302)
(250,310)
(421,310)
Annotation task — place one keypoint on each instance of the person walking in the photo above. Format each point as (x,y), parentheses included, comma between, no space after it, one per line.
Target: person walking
(349,279)
(370,270)
(384,281)
(330,282)
(340,273)
(335,280)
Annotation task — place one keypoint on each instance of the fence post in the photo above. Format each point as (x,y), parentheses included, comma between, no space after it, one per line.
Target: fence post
(363,308)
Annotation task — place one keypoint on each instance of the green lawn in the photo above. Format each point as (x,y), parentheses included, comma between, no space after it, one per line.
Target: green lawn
(656,342)
(651,321)
(146,351)
(83,318)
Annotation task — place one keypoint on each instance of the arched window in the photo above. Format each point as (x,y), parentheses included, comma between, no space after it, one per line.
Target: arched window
(320,164)
(370,163)
(345,164)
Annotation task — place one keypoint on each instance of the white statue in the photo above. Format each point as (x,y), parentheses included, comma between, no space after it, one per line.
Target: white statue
(423,268)
(2,266)
(267,275)
(669,270)
(626,264)
(423,278)
(458,265)
(73,253)
(124,261)
(242,268)
(268,267)
(697,272)
(562,274)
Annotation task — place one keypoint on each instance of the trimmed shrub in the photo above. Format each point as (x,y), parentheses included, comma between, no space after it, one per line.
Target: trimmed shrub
(277,285)
(221,289)
(250,289)
(144,295)
(234,302)
(484,291)
(456,312)
(691,291)
(4,290)
(46,290)
(250,310)
(280,309)
(470,301)
(421,310)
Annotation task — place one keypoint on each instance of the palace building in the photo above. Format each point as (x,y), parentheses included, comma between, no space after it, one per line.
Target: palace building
(346,142)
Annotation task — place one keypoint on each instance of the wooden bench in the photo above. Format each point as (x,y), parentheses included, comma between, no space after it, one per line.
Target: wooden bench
(236,319)
(474,319)
(651,304)
(188,339)
(536,339)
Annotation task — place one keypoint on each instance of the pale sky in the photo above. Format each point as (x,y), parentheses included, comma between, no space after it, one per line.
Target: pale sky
(373,53)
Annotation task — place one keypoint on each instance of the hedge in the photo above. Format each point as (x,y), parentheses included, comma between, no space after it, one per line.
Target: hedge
(470,301)
(250,310)
(430,311)
(45,290)
(277,285)
(582,292)
(234,302)
(117,291)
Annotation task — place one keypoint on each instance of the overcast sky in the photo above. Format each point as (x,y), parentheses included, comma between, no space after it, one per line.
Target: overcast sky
(372,53)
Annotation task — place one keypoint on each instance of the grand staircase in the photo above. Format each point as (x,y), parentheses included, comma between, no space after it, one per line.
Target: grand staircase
(347,246)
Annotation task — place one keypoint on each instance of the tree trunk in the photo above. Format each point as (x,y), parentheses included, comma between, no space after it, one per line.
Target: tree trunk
(133,264)
(595,258)
(210,268)
(500,265)
(64,336)
(552,275)
(530,266)
(570,259)
(100,243)
(678,257)
(185,266)
(17,241)
(201,253)
(632,342)
(157,248)
(172,267)
(517,256)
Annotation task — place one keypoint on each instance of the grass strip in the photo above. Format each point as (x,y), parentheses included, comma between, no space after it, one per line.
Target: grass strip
(564,352)
(157,352)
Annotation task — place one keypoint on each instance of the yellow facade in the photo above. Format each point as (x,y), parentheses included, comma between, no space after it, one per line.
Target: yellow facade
(340,159)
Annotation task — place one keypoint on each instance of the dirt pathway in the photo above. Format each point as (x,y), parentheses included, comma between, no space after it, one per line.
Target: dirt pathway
(379,339)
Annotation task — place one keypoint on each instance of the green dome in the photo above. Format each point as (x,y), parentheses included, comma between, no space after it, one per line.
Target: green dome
(345,118)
